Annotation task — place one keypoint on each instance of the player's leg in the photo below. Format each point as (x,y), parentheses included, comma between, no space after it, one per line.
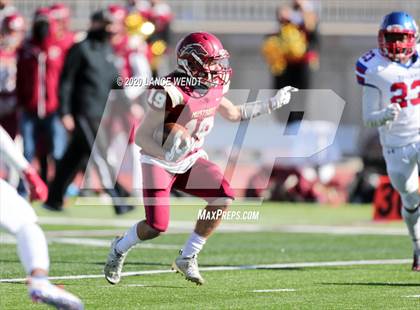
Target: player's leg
(156,193)
(27,129)
(66,169)
(19,219)
(402,168)
(98,142)
(204,180)
(58,136)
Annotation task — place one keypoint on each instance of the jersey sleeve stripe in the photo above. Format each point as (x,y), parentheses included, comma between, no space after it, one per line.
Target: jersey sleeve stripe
(361,68)
(360,79)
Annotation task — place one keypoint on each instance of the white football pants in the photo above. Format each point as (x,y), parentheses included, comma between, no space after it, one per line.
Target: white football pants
(18,218)
(402,165)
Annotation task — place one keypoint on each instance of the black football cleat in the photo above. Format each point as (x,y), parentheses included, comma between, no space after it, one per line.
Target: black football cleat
(123,209)
(49,207)
(416,265)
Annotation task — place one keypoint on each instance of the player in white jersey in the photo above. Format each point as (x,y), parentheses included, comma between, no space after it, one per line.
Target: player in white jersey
(390,76)
(19,219)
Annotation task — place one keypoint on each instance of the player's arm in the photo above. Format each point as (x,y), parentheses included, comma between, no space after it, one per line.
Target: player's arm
(158,100)
(229,111)
(145,138)
(145,134)
(373,114)
(237,113)
(12,156)
(69,72)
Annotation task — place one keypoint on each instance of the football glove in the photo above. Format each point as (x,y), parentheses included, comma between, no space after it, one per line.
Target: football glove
(282,97)
(391,112)
(179,149)
(37,188)
(253,109)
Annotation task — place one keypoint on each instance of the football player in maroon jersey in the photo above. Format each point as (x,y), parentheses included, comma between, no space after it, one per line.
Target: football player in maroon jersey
(184,166)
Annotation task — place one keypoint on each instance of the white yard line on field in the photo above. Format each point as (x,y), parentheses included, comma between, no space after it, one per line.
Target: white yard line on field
(86,221)
(123,285)
(274,290)
(245,267)
(412,296)
(187,226)
(7,239)
(84,233)
(107,243)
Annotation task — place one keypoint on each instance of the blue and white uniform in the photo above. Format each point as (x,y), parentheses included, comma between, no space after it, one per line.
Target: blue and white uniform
(387,82)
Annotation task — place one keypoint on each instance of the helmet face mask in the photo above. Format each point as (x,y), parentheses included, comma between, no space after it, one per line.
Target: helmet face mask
(217,72)
(397,37)
(202,56)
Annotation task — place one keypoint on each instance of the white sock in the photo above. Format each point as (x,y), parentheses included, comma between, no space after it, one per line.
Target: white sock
(39,281)
(193,245)
(129,240)
(32,247)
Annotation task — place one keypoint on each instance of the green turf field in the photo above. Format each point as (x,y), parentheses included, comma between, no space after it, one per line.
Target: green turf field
(272,240)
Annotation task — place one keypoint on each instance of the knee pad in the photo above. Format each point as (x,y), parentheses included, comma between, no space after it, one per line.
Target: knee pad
(410,200)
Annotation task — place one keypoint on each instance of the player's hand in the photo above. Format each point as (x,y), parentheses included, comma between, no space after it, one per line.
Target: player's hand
(392,111)
(68,122)
(282,97)
(38,189)
(179,149)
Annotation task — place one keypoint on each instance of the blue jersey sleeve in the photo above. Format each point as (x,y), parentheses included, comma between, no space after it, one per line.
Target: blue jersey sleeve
(364,67)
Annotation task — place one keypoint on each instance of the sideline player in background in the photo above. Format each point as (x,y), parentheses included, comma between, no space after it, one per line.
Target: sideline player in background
(12,31)
(19,219)
(390,76)
(184,165)
(88,75)
(61,14)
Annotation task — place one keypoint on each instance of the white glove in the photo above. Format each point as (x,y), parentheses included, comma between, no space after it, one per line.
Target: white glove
(250,110)
(282,97)
(391,112)
(177,152)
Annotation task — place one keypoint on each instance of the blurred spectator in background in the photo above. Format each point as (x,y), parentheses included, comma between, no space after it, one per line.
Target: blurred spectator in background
(307,19)
(157,31)
(39,65)
(11,35)
(6,9)
(131,55)
(88,76)
(292,52)
(61,14)
(132,61)
(366,182)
